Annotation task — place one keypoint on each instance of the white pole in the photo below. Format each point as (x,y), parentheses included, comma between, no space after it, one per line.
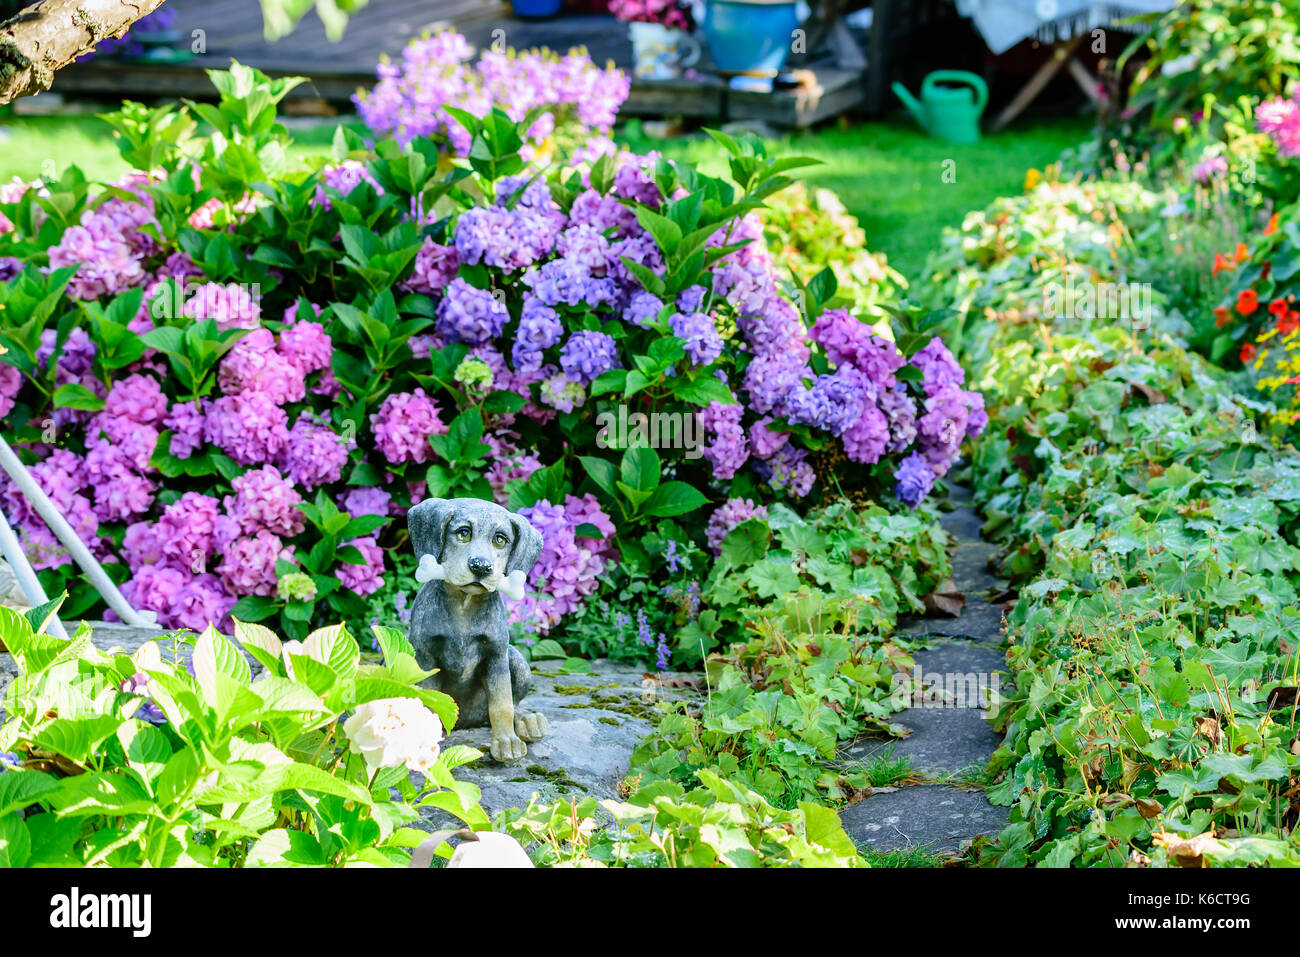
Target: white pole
(27,580)
(65,534)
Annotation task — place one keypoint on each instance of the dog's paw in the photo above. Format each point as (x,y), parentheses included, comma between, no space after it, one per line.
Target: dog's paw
(531,726)
(508,747)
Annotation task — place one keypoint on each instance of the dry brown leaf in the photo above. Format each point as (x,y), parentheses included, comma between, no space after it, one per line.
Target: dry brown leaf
(947,600)
(1149,808)
(1153,396)
(1185,852)
(1209,728)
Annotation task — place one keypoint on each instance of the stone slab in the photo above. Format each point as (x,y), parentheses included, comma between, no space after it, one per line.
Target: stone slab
(939,819)
(596,720)
(949,728)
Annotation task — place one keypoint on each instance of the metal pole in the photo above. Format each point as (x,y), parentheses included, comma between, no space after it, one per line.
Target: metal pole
(65,534)
(26,575)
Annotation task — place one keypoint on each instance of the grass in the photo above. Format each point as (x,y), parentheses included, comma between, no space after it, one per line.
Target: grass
(34,146)
(903,186)
(905,857)
(892,177)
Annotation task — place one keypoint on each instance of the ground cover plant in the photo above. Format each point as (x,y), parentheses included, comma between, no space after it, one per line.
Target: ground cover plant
(1150,521)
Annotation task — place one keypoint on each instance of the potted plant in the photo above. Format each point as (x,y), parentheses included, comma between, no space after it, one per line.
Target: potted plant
(662,45)
(750,36)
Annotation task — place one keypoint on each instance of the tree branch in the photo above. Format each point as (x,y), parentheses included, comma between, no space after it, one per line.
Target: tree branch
(50,34)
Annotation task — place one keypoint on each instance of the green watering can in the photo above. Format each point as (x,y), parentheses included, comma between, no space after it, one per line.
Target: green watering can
(950,105)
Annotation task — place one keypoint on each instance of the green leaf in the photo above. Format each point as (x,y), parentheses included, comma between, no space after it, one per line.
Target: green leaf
(20,789)
(674,498)
(75,396)
(748,542)
(76,738)
(640,468)
(15,843)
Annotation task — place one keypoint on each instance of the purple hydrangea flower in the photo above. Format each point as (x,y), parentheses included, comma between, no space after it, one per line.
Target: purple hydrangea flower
(472,315)
(587,355)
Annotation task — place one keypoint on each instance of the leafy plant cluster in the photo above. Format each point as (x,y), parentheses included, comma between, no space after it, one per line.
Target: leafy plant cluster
(347,338)
(1151,525)
(808,229)
(154,758)
(751,776)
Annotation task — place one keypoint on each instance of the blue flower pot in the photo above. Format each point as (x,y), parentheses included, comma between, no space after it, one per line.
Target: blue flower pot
(750,36)
(536,9)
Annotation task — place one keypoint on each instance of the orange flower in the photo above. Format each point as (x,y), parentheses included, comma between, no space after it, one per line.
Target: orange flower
(1221,264)
(1271,228)
(1241,254)
(1220,316)
(1247,301)
(1248,352)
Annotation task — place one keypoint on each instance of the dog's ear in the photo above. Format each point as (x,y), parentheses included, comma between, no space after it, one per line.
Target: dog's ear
(527,547)
(428,523)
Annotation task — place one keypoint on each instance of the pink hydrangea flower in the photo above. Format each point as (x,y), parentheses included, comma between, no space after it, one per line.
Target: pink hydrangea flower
(254,365)
(248,566)
(231,306)
(248,427)
(315,455)
(403,424)
(264,499)
(368,578)
(306,346)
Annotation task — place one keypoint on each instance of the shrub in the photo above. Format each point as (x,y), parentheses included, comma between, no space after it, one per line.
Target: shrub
(225,357)
(570,101)
(110,759)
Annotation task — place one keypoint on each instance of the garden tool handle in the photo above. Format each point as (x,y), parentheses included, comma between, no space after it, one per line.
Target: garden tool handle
(972,80)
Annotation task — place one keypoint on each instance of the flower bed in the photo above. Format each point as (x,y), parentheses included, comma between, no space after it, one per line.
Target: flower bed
(1153,531)
(232,376)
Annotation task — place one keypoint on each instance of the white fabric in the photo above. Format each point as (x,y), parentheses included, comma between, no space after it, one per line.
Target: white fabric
(1004,23)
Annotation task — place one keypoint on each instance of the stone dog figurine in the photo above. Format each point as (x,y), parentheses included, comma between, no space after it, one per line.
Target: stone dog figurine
(470,550)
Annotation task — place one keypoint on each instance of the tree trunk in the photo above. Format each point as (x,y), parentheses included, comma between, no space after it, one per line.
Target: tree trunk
(50,34)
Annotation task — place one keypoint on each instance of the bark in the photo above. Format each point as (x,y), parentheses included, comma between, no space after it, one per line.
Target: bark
(50,34)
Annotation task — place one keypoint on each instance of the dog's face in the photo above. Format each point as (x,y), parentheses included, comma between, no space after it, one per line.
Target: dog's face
(476,543)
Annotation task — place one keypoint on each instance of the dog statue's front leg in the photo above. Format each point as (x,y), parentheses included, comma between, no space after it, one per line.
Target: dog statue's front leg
(506,744)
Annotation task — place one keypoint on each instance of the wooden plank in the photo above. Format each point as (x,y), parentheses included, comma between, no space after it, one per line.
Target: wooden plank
(836,92)
(703,98)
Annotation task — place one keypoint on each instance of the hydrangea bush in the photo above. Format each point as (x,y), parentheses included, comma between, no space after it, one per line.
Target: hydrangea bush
(233,376)
(577,101)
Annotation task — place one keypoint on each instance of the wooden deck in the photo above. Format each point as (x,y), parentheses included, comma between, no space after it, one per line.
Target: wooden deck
(232,29)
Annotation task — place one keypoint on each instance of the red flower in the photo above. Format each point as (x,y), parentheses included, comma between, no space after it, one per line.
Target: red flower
(1220,316)
(1247,301)
(1278,307)
(1288,323)
(1248,352)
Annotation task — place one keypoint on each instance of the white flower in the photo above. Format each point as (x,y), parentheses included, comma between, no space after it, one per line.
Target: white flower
(294,647)
(393,732)
(490,850)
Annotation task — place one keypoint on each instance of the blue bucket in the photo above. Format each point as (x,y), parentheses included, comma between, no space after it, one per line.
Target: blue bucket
(536,9)
(745,36)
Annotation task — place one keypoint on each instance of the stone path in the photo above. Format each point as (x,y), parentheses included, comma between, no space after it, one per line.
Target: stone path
(949,735)
(596,721)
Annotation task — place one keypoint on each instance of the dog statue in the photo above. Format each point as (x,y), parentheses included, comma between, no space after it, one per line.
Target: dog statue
(470,550)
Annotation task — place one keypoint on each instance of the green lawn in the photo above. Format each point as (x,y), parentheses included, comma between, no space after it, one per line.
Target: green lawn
(889,175)
(28,143)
